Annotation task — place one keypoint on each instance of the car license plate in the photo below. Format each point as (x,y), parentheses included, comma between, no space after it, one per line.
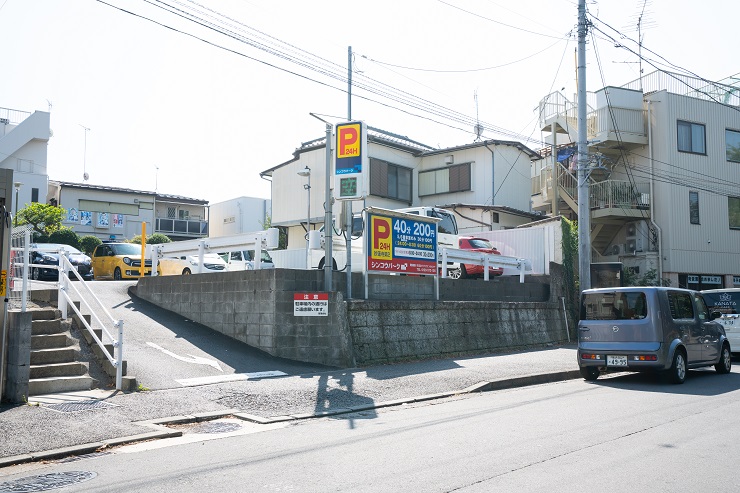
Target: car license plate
(616,360)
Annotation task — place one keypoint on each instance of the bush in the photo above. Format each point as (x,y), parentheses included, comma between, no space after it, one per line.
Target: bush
(88,243)
(155,239)
(65,237)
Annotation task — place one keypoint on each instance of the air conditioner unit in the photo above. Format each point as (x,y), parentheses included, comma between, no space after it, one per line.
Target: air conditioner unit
(614,250)
(630,246)
(631,229)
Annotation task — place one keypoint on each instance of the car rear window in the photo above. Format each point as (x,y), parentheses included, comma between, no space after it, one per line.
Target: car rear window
(479,243)
(723,302)
(621,305)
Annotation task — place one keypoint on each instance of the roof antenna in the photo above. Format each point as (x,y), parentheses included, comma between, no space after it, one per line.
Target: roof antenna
(478,128)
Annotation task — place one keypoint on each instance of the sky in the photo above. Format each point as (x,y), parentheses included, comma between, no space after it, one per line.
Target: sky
(181,108)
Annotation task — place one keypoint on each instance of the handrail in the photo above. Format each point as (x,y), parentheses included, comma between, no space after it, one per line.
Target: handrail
(64,267)
(487,260)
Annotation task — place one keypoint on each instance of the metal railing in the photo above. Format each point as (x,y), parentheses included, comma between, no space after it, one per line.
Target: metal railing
(181,227)
(64,286)
(13,117)
(618,194)
(487,260)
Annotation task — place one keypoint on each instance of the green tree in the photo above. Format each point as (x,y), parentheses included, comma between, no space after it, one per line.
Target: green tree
(65,236)
(88,243)
(44,218)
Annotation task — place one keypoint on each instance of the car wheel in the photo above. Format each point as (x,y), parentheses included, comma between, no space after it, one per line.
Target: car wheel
(454,273)
(725,360)
(36,274)
(677,373)
(186,272)
(590,373)
(117,274)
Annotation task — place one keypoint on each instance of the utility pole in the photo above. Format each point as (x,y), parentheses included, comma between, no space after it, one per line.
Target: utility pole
(584,209)
(347,204)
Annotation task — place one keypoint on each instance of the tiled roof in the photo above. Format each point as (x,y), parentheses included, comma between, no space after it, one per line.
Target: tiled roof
(161,196)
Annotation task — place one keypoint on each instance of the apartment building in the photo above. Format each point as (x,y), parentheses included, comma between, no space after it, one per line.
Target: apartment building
(664,184)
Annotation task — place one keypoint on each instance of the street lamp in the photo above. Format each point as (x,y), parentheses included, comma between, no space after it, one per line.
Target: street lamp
(307,173)
(17,186)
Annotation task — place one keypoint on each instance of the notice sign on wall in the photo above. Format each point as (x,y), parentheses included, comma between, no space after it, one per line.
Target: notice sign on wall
(401,244)
(310,304)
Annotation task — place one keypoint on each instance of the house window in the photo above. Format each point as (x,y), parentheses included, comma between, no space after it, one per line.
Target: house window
(694,207)
(34,195)
(691,138)
(445,180)
(732,144)
(390,181)
(184,214)
(733,209)
(171,212)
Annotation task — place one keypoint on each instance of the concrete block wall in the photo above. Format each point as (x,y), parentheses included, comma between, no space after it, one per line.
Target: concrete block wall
(389,331)
(400,321)
(18,353)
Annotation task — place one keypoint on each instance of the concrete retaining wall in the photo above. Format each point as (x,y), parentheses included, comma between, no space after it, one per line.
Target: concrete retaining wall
(400,321)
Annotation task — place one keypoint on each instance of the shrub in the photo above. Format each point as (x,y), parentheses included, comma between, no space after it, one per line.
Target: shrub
(88,243)
(155,239)
(65,237)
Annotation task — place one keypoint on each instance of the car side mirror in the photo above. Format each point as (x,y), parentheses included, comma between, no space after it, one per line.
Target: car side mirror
(715,315)
(111,254)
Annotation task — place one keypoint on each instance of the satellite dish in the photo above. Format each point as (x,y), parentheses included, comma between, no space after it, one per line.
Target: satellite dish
(85,176)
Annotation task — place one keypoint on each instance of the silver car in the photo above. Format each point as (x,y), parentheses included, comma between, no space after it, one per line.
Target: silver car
(649,329)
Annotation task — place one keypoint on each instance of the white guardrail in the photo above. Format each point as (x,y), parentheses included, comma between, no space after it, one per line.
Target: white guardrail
(487,260)
(65,267)
(261,240)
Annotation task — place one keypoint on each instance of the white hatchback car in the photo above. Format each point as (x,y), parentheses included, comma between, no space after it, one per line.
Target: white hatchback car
(175,266)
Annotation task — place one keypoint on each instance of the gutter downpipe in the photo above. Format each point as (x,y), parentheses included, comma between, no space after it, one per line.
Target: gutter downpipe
(493,179)
(652,192)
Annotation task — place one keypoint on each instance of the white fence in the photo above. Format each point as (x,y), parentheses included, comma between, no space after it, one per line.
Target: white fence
(257,241)
(539,244)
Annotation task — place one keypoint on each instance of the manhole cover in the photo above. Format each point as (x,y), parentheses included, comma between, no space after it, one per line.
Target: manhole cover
(73,407)
(216,427)
(46,482)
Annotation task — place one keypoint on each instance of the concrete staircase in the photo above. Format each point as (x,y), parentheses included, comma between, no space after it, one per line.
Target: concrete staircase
(54,353)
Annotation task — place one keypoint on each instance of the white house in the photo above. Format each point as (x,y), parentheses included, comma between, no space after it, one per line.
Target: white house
(665,184)
(239,215)
(24,137)
(485,183)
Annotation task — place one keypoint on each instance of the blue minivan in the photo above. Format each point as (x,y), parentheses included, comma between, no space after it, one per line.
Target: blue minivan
(641,328)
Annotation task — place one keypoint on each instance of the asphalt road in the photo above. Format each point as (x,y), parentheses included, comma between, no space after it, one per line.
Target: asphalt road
(621,433)
(163,349)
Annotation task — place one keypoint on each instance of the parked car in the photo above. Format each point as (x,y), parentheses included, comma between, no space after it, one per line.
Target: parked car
(186,265)
(726,302)
(474,270)
(244,260)
(649,329)
(119,261)
(48,255)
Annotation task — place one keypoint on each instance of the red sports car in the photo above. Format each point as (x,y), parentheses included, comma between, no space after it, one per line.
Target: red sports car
(473,270)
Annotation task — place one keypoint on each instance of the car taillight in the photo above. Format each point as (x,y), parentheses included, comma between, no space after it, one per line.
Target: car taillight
(591,356)
(645,357)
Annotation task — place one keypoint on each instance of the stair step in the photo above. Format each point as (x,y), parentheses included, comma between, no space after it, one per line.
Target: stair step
(50,356)
(50,341)
(45,314)
(40,386)
(73,369)
(52,326)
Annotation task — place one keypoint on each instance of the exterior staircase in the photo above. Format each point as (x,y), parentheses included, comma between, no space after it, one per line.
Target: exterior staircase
(54,353)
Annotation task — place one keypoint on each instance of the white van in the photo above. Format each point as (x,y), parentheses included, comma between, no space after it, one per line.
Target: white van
(237,260)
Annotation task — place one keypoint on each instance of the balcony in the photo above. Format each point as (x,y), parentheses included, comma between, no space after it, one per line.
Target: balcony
(182,228)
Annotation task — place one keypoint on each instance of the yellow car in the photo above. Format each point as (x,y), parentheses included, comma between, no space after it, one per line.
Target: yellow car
(119,261)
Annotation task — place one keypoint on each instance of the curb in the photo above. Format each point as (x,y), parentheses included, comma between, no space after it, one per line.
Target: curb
(160,430)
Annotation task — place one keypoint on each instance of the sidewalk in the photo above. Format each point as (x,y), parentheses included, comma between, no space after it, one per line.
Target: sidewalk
(71,424)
